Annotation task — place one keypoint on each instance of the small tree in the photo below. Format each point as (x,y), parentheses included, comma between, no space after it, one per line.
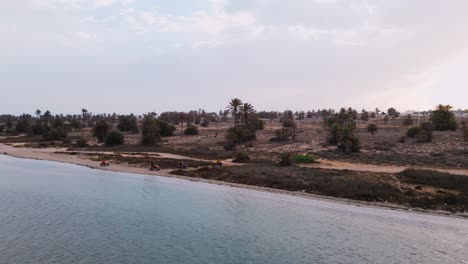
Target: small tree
(100,130)
(408,121)
(465,135)
(114,138)
(290,125)
(150,134)
(372,128)
(191,130)
(443,118)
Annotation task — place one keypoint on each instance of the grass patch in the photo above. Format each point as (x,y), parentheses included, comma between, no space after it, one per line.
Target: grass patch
(303,159)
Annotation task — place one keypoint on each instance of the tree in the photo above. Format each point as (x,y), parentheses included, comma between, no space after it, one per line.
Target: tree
(289,124)
(114,138)
(233,108)
(341,131)
(100,130)
(165,129)
(393,112)
(443,118)
(150,134)
(385,120)
(372,128)
(246,110)
(38,113)
(364,115)
(24,123)
(128,124)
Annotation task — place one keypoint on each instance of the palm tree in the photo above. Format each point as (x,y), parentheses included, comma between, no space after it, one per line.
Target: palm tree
(246,110)
(38,113)
(233,108)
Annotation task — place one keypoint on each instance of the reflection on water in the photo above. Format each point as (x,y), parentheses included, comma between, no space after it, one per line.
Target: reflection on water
(58,213)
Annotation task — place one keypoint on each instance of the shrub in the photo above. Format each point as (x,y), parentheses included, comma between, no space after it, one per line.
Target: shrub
(281,135)
(372,128)
(81,143)
(240,134)
(191,130)
(412,132)
(307,159)
(344,138)
(241,157)
(114,138)
(285,159)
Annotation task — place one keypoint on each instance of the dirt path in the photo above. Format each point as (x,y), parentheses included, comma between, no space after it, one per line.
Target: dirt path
(341,165)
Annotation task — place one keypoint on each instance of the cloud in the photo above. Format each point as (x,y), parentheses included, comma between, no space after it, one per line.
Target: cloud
(275,53)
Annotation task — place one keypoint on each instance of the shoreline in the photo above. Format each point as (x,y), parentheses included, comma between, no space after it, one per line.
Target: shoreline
(50,155)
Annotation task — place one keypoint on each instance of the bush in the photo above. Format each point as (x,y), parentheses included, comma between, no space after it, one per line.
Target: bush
(285,159)
(191,130)
(241,157)
(54,134)
(81,143)
(281,135)
(165,129)
(306,159)
(240,134)
(114,138)
(412,132)
(372,128)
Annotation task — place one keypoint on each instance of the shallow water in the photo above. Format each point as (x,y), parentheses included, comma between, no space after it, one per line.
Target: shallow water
(59,213)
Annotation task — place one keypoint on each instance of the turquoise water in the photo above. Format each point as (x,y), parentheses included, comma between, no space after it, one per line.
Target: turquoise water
(58,213)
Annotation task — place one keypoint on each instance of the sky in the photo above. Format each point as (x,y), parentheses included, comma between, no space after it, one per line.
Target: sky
(141,55)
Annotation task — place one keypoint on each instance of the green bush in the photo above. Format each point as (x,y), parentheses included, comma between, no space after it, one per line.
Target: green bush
(241,157)
(412,132)
(306,159)
(114,138)
(191,130)
(165,129)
